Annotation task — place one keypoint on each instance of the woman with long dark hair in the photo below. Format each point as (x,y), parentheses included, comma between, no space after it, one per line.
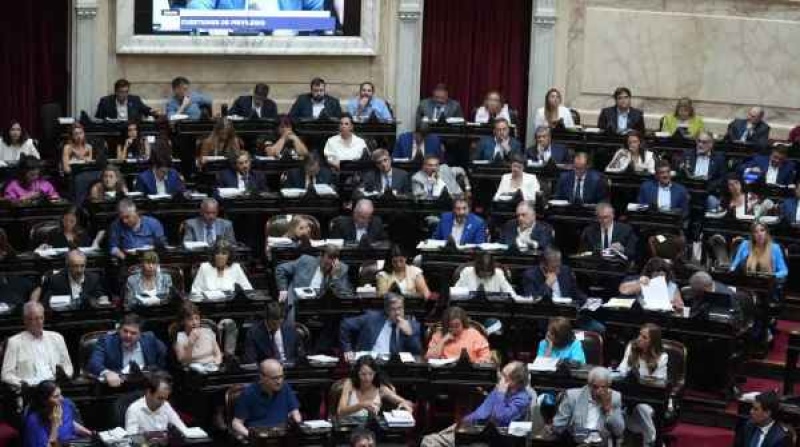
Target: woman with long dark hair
(51,420)
(365,390)
(16,143)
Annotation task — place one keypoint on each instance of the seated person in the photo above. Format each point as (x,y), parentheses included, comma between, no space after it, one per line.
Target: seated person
(509,401)
(418,144)
(582,185)
(222,142)
(273,337)
(15,143)
(255,106)
(789,208)
(345,146)
(501,145)
(551,279)
(761,429)
(760,254)
(148,280)
(299,229)
(111,185)
(288,143)
(365,390)
(553,113)
(484,274)
(34,355)
(76,149)
(28,186)
(460,224)
(654,268)
(367,105)
(751,130)
(362,224)
(662,194)
(683,120)
(381,332)
(607,233)
(645,358)
(494,107)
(621,118)
(70,234)
(439,106)
(153,412)
(18,289)
(407,279)
(117,351)
(518,181)
(241,176)
(384,177)
(195,343)
(526,231)
(184,101)
(6,250)
(269,402)
(310,174)
(561,343)
(701,283)
(122,105)
(545,151)
(208,227)
(773,169)
(161,178)
(362,437)
(634,156)
(133,147)
(705,163)
(596,399)
(131,231)
(221,274)
(434,178)
(741,205)
(316,104)
(84,288)
(456,334)
(51,419)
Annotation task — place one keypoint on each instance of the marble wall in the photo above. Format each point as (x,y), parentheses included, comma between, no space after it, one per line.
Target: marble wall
(725,54)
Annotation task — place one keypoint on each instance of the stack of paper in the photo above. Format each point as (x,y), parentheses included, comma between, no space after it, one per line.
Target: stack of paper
(214,158)
(620,303)
(321,358)
(367,291)
(195,245)
(214,295)
(324,190)
(293,193)
(492,246)
(60,301)
(555,202)
(323,242)
(194,433)
(431,244)
(279,241)
(204,368)
(520,428)
(406,357)
(229,193)
(116,435)
(441,362)
(562,300)
(399,418)
(317,424)
(459,293)
(655,295)
(148,300)
(159,196)
(50,252)
(543,364)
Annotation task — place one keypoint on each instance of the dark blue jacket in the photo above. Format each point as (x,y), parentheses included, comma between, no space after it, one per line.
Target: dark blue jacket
(759,136)
(534,284)
(304,109)
(146,182)
(542,233)
(296,178)
(486,148)
(789,209)
(786,172)
(255,182)
(474,229)
(717,169)
(364,330)
(404,143)
(259,344)
(594,187)
(558,154)
(679,196)
(107,354)
(243,106)
(107,108)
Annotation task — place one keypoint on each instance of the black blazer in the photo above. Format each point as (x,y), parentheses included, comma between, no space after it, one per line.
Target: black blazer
(608,120)
(777,436)
(591,238)
(345,228)
(542,233)
(303,108)
(717,169)
(259,344)
(759,136)
(534,284)
(107,108)
(58,284)
(243,106)
(372,180)
(296,178)
(256,181)
(58,240)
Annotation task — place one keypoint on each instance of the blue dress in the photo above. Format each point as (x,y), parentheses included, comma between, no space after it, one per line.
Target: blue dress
(37,434)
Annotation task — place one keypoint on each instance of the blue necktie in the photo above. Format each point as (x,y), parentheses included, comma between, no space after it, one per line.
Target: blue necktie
(393,342)
(210,234)
(756,437)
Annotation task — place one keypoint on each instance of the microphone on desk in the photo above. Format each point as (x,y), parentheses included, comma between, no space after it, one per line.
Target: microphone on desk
(365,243)
(480,292)
(451,244)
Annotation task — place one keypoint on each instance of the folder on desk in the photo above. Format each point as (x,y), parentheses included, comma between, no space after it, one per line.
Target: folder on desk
(159,196)
(520,428)
(324,189)
(367,291)
(292,193)
(148,300)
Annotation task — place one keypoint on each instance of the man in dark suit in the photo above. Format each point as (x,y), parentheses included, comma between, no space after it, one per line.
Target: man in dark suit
(116,351)
(316,104)
(84,288)
(464,226)
(161,178)
(438,106)
(751,130)
(773,169)
(703,163)
(208,227)
(525,231)
(274,337)
(551,279)
(500,146)
(581,185)
(362,224)
(312,173)
(240,175)
(761,430)
(662,193)
(621,118)
(255,106)
(608,234)
(122,105)
(384,177)
(387,332)
(789,207)
(545,151)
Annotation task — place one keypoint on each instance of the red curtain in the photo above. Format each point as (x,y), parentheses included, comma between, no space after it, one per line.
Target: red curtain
(475,46)
(33,60)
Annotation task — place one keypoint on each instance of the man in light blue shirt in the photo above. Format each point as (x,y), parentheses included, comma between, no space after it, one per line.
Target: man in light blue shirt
(132,231)
(365,104)
(262,5)
(184,101)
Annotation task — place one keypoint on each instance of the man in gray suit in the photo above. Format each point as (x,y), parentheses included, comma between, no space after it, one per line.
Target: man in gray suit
(208,227)
(434,178)
(319,273)
(439,105)
(592,408)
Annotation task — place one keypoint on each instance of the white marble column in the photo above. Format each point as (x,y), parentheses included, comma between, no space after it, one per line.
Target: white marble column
(84,36)
(409,62)
(541,62)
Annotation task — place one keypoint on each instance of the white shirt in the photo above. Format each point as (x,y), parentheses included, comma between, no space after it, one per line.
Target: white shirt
(482,114)
(661,366)
(384,340)
(34,359)
(278,338)
(136,356)
(563,114)
(336,149)
(497,283)
(623,158)
(797,215)
(360,232)
(664,197)
(610,231)
(75,287)
(207,278)
(240,182)
(161,185)
(12,153)
(524,237)
(316,281)
(458,230)
(140,419)
(499,149)
(772,175)
(764,430)
(593,415)
(317,107)
(122,110)
(435,186)
(701,166)
(622,121)
(256,109)
(529,187)
(556,289)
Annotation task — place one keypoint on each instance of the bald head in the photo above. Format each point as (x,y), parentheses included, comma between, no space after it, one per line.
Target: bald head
(362,213)
(271,376)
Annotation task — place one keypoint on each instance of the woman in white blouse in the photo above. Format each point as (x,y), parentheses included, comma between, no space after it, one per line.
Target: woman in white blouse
(518,180)
(483,272)
(493,107)
(634,155)
(646,359)
(222,275)
(346,146)
(16,142)
(553,112)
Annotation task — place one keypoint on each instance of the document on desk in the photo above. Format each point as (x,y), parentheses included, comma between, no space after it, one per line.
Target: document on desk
(273,241)
(322,358)
(229,193)
(113,436)
(520,428)
(214,295)
(324,189)
(399,418)
(620,303)
(195,245)
(441,362)
(194,433)
(655,295)
(159,196)
(317,424)
(60,301)
(544,364)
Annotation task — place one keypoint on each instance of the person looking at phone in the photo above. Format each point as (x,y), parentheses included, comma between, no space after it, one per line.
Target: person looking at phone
(382,332)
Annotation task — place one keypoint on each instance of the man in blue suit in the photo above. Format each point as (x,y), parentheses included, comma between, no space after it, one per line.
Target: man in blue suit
(751,130)
(774,168)
(417,144)
(662,193)
(545,151)
(387,332)
(274,337)
(789,207)
(115,352)
(241,176)
(461,224)
(161,178)
(551,279)
(762,430)
(621,118)
(316,104)
(581,185)
(500,146)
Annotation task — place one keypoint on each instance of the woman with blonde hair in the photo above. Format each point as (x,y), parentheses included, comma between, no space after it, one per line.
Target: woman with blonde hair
(76,149)
(760,254)
(684,119)
(553,111)
(222,141)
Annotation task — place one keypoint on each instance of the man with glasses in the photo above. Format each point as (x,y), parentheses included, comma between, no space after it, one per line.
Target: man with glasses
(267,403)
(705,164)
(621,118)
(384,177)
(592,408)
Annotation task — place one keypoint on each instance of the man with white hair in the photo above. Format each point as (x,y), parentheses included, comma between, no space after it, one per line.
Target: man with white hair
(133,231)
(84,288)
(208,227)
(752,129)
(362,223)
(592,408)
